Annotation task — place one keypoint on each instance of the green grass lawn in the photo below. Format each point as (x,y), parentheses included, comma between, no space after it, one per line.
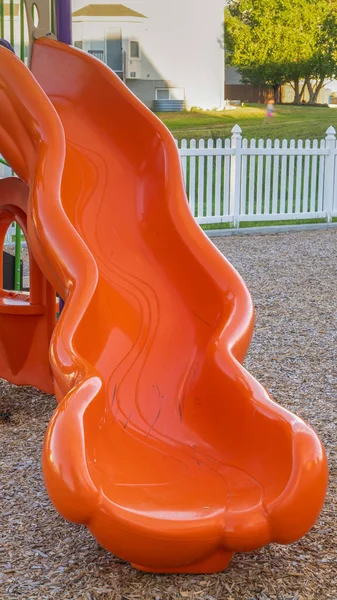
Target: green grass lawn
(297,122)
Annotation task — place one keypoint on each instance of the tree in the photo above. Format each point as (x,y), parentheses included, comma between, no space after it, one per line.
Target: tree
(277,41)
(323,63)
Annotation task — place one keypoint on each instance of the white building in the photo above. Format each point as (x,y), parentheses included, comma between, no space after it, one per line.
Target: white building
(163,50)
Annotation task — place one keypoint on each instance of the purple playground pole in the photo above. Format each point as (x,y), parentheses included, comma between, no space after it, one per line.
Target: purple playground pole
(63,21)
(6,44)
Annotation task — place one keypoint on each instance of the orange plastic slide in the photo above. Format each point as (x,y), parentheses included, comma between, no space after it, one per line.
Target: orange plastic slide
(162,443)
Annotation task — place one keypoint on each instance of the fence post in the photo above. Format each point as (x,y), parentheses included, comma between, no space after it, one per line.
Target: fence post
(235,191)
(330,165)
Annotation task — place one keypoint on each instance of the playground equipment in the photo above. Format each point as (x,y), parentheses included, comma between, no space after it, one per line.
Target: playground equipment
(162,443)
(8,265)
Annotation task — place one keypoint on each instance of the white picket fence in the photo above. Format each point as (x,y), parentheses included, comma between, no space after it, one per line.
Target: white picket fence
(238,180)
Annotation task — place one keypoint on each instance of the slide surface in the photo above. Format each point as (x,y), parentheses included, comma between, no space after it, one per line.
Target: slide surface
(162,443)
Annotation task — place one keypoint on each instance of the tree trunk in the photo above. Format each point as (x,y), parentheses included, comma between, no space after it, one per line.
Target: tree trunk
(302,91)
(297,98)
(310,90)
(276,93)
(313,93)
(318,89)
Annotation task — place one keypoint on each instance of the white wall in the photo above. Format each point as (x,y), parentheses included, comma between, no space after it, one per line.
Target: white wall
(181,43)
(93,33)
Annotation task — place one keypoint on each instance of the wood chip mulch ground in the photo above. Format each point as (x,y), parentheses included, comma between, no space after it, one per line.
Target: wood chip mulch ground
(293,279)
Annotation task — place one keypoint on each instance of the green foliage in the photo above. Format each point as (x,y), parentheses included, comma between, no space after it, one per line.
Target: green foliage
(277,41)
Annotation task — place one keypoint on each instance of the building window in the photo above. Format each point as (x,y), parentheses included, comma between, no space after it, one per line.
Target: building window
(134,49)
(170,94)
(163,94)
(97,54)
